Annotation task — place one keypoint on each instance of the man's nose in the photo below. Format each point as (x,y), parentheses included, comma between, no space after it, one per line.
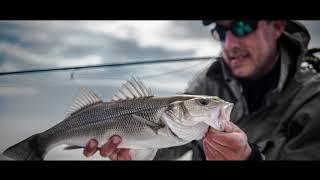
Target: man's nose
(231,41)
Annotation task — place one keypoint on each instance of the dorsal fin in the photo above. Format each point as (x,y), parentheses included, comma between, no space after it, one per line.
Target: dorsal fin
(132,89)
(86,98)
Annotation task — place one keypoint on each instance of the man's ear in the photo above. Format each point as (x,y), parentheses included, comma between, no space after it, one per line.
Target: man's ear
(279,26)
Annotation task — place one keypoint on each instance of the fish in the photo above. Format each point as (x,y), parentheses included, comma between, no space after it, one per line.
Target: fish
(145,122)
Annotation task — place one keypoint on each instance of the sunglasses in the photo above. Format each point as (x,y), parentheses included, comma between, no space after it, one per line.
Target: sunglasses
(240,28)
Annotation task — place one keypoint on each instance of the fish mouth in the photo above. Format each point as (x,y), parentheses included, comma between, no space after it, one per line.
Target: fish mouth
(229,110)
(225,112)
(220,117)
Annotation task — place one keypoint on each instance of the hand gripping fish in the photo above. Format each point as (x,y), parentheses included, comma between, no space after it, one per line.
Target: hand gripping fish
(145,122)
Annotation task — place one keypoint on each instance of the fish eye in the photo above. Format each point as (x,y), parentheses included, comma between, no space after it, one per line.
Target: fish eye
(204,102)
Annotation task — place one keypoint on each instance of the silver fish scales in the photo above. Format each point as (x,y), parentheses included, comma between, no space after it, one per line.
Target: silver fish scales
(145,122)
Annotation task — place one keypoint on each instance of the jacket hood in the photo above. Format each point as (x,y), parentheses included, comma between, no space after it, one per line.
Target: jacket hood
(297,33)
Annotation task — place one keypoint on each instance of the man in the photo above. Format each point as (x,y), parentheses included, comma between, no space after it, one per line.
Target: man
(276,113)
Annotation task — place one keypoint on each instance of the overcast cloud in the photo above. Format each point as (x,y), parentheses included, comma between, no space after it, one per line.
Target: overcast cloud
(32,103)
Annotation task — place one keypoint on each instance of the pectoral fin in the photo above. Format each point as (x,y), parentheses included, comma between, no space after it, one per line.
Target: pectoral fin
(151,124)
(72,147)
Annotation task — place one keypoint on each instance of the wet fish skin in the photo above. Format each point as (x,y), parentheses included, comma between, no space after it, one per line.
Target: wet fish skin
(144,122)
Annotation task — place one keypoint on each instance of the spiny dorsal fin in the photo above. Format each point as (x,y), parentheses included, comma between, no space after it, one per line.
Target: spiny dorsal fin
(86,98)
(132,89)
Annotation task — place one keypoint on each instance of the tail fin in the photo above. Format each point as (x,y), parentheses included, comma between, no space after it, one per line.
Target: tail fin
(28,149)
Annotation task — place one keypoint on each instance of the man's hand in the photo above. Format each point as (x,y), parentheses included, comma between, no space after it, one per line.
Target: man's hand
(231,144)
(107,150)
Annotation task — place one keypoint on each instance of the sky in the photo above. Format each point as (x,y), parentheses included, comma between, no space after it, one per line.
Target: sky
(38,44)
(32,103)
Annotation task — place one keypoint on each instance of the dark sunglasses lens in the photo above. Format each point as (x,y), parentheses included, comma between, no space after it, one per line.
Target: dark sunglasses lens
(243,28)
(238,28)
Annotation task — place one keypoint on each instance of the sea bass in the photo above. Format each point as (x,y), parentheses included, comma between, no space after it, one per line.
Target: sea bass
(145,122)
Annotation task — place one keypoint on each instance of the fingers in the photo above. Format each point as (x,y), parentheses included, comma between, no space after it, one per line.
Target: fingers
(238,152)
(120,154)
(90,148)
(212,153)
(210,141)
(108,150)
(124,154)
(233,145)
(114,155)
(230,127)
(225,139)
(219,147)
(235,136)
(110,147)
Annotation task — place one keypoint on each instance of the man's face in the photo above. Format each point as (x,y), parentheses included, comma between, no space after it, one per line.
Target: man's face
(252,55)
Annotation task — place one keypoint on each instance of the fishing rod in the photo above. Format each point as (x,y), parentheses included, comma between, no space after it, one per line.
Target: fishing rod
(110,65)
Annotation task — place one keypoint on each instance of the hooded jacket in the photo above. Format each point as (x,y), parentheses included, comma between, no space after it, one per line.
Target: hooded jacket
(287,124)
